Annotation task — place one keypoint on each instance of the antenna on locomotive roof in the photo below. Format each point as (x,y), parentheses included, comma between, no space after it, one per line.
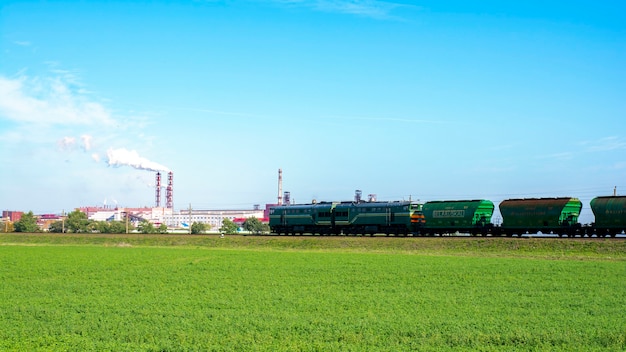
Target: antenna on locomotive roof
(614,191)
(357,196)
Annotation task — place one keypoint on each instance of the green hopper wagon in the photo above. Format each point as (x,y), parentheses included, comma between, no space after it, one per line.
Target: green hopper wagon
(545,215)
(468,216)
(610,213)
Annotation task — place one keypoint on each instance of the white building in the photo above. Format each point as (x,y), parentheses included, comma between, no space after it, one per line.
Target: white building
(153,215)
(213,218)
(179,219)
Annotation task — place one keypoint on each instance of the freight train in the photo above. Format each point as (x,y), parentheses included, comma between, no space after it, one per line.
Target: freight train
(558,216)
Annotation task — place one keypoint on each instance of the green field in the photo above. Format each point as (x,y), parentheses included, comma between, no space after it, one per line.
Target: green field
(199,293)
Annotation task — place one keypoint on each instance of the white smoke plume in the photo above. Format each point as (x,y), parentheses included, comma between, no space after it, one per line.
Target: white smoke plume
(67,143)
(114,157)
(86,142)
(121,156)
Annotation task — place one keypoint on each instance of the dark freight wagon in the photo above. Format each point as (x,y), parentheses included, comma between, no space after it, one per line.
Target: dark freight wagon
(610,213)
(545,215)
(464,216)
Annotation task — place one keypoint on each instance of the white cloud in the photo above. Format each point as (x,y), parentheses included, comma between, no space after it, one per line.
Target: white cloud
(366,8)
(605,144)
(619,165)
(557,156)
(41,110)
(35,114)
(50,101)
(87,142)
(67,143)
(390,119)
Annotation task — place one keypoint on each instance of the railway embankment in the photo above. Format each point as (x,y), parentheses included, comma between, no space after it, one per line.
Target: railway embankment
(551,248)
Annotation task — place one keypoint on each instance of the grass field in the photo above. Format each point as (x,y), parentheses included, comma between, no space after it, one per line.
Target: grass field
(199,293)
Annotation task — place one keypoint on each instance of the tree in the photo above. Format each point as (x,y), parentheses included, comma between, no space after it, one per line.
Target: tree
(162,228)
(118,227)
(97,226)
(198,227)
(77,221)
(108,226)
(228,227)
(6,226)
(28,223)
(56,227)
(255,226)
(146,227)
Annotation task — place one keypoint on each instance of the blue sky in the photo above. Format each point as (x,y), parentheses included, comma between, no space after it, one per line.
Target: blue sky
(427,99)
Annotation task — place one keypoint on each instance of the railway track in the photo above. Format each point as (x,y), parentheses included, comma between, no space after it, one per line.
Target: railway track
(451,236)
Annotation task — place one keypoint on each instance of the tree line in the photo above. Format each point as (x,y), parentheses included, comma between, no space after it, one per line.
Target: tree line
(77,222)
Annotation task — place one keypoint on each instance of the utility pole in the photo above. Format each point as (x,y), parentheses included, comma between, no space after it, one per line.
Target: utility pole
(190,218)
(63,221)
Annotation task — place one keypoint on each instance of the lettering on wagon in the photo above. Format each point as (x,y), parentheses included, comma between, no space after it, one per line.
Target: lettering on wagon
(448,213)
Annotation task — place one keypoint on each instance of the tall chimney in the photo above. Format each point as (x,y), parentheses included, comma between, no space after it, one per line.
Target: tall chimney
(169,191)
(280,186)
(157,191)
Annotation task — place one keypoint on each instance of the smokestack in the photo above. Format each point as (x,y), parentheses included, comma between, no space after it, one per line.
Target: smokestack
(280,186)
(158,190)
(169,191)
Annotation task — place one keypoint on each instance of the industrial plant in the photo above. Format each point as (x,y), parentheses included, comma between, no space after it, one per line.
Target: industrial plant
(164,213)
(183,218)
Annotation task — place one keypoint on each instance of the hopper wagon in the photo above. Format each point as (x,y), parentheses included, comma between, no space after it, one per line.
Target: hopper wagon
(462,216)
(610,214)
(546,215)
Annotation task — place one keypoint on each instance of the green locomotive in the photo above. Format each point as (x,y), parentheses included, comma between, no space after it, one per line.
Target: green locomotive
(348,218)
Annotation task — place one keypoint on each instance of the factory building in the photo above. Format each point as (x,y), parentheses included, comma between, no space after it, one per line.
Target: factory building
(12,216)
(183,218)
(172,219)
(153,215)
(165,214)
(213,218)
